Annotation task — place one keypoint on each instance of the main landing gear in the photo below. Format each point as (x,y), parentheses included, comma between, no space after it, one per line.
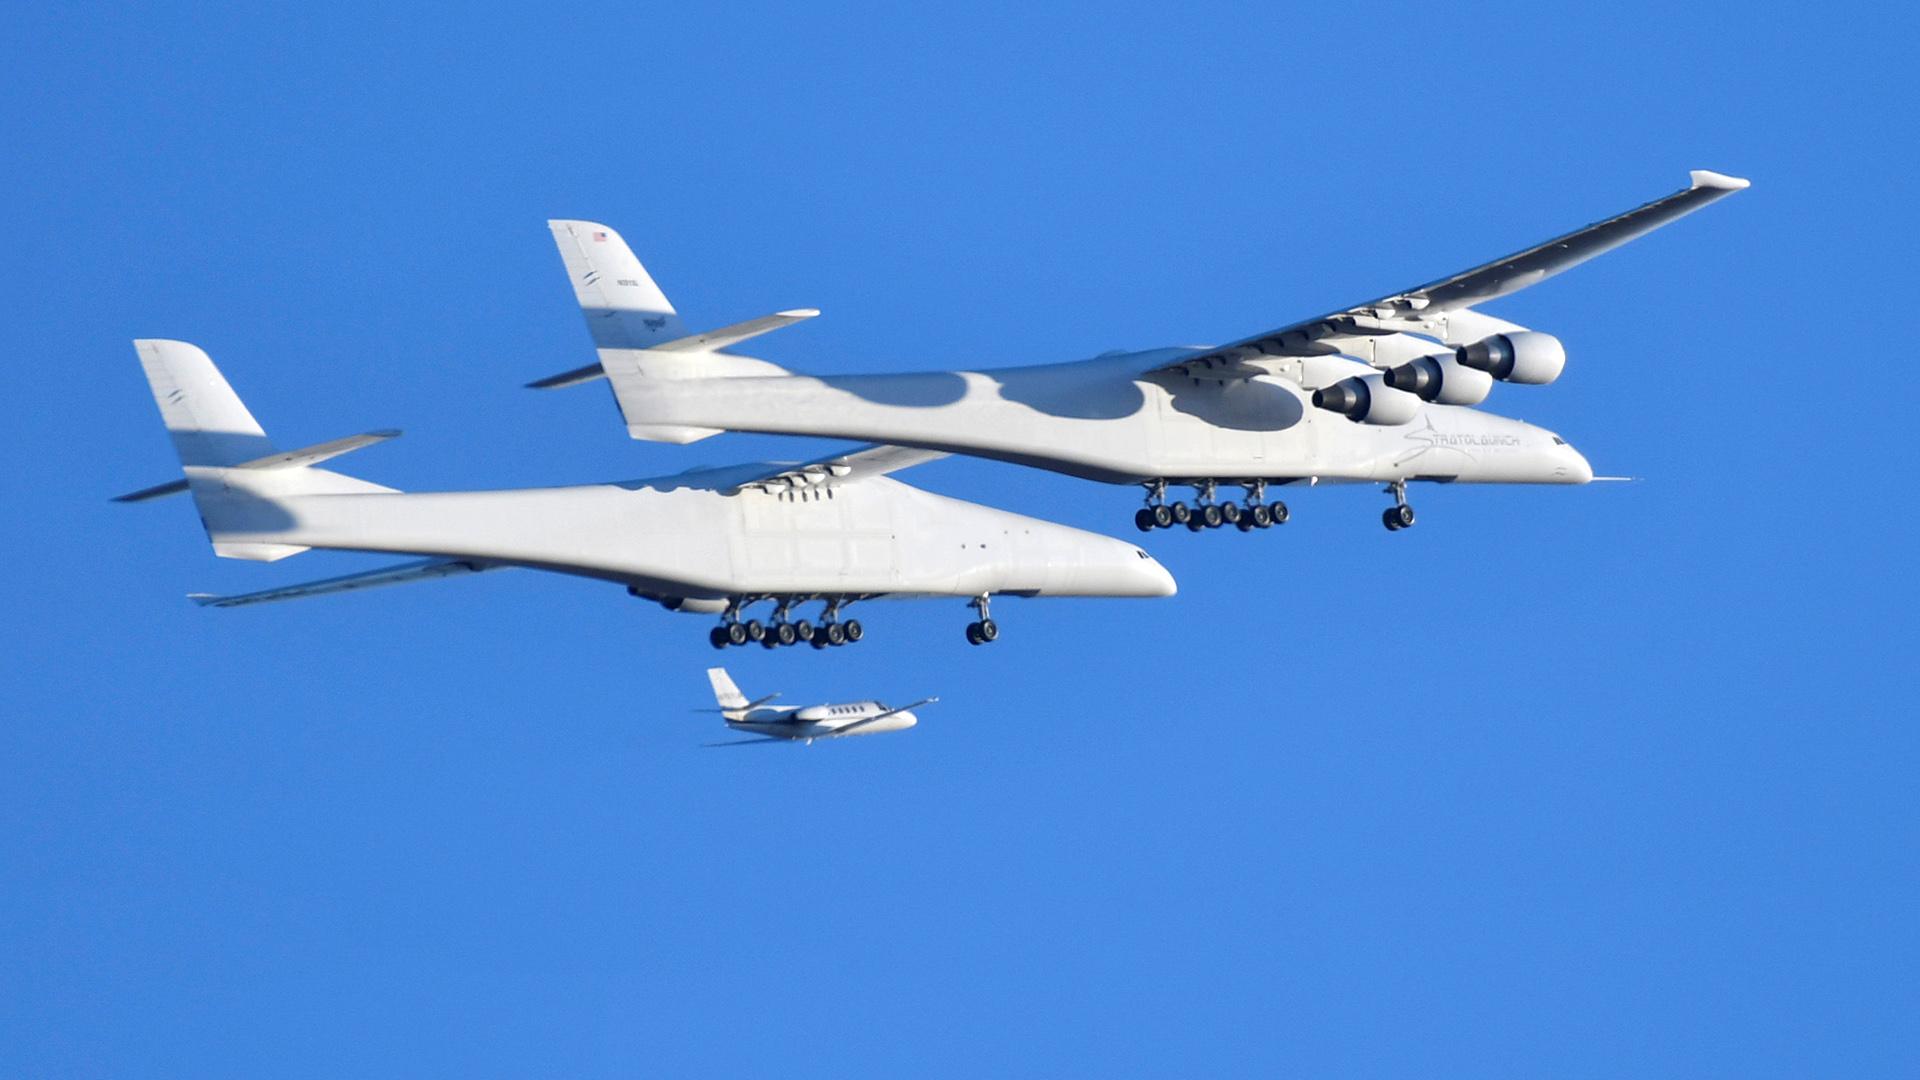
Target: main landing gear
(784,629)
(1399,515)
(984,629)
(1255,513)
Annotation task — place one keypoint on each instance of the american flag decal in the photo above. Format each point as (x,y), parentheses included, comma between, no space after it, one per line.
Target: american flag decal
(599,238)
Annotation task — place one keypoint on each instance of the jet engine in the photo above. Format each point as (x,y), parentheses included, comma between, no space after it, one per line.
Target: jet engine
(1442,379)
(682,603)
(1524,356)
(1368,399)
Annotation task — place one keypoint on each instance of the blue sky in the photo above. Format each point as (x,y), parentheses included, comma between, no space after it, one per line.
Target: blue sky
(1617,780)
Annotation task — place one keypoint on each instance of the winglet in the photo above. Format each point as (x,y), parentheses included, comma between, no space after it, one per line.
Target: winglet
(1707,178)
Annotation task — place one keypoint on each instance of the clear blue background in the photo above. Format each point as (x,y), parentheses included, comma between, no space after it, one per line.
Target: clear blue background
(1608,781)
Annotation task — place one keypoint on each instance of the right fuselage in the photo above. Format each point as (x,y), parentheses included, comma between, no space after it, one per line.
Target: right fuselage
(1103,420)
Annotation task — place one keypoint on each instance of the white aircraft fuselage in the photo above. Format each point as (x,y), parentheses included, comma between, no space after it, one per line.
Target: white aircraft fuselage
(822,721)
(693,536)
(1101,419)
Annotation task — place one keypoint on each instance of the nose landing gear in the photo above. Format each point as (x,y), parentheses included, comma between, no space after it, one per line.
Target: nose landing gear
(1399,515)
(984,629)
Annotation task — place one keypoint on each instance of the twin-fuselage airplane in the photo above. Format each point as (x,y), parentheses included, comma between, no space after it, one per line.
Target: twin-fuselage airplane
(1383,392)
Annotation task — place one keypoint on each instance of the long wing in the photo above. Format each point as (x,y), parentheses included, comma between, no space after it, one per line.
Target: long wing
(875,460)
(422,570)
(1426,309)
(711,339)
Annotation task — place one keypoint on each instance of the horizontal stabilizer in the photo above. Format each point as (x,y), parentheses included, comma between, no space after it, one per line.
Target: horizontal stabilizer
(422,570)
(706,342)
(287,459)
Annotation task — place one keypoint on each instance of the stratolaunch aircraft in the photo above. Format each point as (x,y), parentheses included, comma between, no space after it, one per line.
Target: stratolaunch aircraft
(836,530)
(777,723)
(1381,392)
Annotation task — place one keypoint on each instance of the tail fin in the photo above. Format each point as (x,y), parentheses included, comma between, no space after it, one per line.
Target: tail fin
(725,694)
(639,336)
(233,470)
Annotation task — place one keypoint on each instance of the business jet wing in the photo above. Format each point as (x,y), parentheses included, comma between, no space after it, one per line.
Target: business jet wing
(1442,309)
(863,722)
(844,468)
(421,570)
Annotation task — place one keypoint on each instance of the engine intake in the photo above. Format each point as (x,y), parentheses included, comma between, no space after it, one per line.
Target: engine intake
(1524,356)
(1441,379)
(1368,399)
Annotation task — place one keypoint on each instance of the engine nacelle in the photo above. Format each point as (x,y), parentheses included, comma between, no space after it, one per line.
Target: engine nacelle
(683,603)
(1441,379)
(1368,399)
(1524,356)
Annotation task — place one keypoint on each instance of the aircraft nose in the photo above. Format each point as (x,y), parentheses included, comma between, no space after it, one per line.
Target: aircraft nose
(1157,579)
(1578,469)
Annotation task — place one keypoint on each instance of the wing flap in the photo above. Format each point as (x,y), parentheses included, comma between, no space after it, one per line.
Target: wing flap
(421,570)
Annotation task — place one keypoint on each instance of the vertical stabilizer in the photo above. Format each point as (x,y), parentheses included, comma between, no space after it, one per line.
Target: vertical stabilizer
(725,694)
(624,309)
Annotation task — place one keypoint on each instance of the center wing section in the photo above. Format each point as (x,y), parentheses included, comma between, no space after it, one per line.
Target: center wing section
(1442,309)
(844,468)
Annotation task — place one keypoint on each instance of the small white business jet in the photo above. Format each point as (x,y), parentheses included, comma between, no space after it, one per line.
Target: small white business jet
(836,530)
(787,723)
(1383,392)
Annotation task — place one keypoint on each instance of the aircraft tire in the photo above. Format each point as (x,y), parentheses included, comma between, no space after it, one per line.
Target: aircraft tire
(737,634)
(1143,520)
(973,633)
(784,634)
(1262,517)
(1405,516)
(804,629)
(1211,516)
(1278,510)
(1391,519)
(833,634)
(1162,517)
(717,637)
(1181,514)
(854,630)
(756,630)
(1230,513)
(1245,524)
(989,630)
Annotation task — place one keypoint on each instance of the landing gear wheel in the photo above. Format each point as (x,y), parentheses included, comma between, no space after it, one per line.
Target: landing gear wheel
(737,634)
(1181,515)
(717,637)
(989,630)
(833,633)
(755,630)
(1162,517)
(853,630)
(1279,511)
(1262,517)
(1143,519)
(1245,524)
(1230,513)
(1211,516)
(973,633)
(785,633)
(1399,517)
(803,630)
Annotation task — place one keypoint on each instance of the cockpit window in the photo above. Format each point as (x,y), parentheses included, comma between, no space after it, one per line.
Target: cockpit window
(1558,441)
(1140,553)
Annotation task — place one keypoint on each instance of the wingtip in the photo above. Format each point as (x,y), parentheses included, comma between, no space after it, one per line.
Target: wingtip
(799,313)
(1707,178)
(203,599)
